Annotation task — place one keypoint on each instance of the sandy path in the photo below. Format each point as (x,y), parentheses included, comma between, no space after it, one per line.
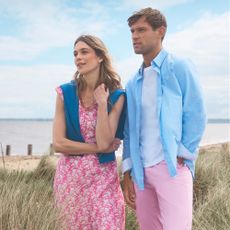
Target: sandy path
(24,162)
(31,162)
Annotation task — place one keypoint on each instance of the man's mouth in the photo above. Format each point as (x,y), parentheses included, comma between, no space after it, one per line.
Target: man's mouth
(136,44)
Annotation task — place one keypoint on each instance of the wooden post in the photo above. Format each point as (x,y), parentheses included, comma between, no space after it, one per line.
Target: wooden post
(8,148)
(29,149)
(51,149)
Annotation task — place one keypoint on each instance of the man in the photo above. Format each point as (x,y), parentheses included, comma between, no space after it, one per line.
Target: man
(165,123)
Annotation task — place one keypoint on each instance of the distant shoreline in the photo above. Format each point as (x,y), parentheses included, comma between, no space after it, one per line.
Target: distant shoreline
(210,120)
(26,119)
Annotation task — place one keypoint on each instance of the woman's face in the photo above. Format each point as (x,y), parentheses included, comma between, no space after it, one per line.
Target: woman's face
(85,58)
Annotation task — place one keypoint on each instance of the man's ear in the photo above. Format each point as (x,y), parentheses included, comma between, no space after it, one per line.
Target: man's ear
(162,30)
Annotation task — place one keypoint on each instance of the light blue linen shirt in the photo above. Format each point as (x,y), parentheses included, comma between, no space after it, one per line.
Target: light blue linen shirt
(180,110)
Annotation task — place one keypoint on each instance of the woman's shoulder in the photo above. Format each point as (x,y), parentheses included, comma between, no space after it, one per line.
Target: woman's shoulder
(117,92)
(65,88)
(115,95)
(68,84)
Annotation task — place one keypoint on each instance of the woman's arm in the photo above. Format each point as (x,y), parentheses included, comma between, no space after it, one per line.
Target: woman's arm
(60,142)
(106,123)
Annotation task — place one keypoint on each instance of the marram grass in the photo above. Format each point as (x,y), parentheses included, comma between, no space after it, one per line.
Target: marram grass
(26,198)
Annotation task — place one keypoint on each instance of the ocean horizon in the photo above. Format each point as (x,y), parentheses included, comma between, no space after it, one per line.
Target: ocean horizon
(209,120)
(18,133)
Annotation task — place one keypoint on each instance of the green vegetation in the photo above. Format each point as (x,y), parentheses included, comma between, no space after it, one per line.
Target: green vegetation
(212,190)
(26,199)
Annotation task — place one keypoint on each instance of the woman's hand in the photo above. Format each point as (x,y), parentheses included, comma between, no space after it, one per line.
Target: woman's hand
(114,146)
(101,94)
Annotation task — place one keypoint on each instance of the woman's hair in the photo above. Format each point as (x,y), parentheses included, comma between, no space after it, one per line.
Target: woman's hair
(107,75)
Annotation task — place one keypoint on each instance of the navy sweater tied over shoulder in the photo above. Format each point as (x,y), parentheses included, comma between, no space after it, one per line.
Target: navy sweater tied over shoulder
(71,107)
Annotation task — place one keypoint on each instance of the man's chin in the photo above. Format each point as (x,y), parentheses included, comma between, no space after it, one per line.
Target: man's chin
(137,51)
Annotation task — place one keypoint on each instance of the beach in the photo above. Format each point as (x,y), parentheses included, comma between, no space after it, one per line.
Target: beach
(29,163)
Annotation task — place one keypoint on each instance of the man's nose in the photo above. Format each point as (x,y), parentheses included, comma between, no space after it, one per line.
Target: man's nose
(134,35)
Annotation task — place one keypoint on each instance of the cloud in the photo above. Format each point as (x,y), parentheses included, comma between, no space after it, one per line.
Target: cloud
(217,94)
(128,67)
(151,3)
(49,25)
(56,23)
(206,42)
(29,91)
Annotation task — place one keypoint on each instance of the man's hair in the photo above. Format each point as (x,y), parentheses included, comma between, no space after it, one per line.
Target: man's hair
(154,17)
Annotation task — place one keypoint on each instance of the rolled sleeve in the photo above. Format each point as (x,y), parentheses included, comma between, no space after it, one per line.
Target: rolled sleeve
(185,153)
(126,165)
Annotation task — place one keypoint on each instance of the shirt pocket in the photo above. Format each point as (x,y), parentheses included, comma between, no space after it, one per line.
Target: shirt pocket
(171,114)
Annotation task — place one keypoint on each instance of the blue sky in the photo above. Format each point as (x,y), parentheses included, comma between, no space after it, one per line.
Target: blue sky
(36,46)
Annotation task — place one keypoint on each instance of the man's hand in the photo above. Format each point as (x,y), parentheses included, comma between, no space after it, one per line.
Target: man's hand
(129,192)
(180,160)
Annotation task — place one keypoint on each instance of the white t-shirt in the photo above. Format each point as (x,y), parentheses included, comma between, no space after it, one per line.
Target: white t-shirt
(151,147)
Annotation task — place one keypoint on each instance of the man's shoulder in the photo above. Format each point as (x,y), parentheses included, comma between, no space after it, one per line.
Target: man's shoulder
(178,62)
(177,65)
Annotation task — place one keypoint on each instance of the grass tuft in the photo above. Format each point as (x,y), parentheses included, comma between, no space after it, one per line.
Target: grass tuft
(26,198)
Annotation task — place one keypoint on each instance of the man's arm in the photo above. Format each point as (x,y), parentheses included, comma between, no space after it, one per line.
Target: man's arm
(194,117)
(126,160)
(128,186)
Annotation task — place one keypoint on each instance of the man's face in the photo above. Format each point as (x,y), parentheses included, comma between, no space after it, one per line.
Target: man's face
(145,39)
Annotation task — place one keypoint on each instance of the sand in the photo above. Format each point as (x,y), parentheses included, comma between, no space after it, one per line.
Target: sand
(28,163)
(31,162)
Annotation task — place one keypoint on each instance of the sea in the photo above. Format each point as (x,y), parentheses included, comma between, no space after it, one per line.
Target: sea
(19,133)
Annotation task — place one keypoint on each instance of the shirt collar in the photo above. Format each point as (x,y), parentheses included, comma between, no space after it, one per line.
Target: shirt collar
(158,60)
(155,63)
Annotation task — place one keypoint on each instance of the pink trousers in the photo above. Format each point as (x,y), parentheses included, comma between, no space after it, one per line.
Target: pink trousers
(166,202)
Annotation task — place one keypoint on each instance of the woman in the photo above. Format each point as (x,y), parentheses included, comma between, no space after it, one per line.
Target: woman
(89,116)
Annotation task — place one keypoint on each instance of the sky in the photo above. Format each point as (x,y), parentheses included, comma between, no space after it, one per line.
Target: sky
(36,47)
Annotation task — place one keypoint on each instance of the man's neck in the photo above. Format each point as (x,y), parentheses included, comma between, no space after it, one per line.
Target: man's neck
(150,56)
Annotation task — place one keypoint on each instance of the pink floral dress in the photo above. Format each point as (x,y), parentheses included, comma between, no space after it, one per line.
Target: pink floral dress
(87,192)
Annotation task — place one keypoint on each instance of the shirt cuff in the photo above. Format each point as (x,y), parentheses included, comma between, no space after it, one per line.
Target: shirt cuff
(185,153)
(126,164)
